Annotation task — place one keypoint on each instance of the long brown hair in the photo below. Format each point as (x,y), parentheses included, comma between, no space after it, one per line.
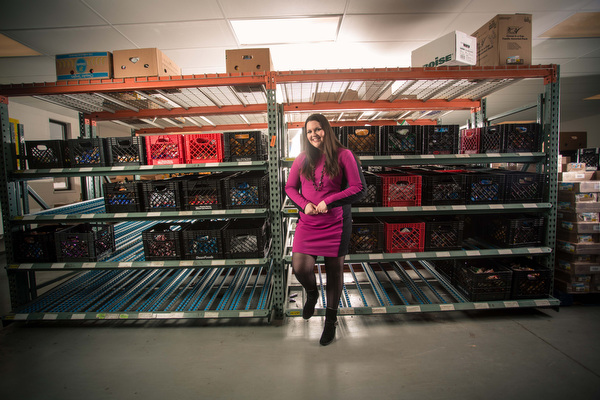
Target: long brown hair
(331,145)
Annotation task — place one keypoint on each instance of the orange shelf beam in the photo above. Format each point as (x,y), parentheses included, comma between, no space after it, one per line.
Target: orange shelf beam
(206,128)
(378,122)
(382,105)
(179,112)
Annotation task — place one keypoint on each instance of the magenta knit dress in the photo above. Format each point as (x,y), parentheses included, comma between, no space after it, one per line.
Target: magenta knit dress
(326,234)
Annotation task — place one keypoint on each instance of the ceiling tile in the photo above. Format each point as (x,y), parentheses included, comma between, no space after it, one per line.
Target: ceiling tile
(524,6)
(135,12)
(179,35)
(565,48)
(71,40)
(405,6)
(46,14)
(578,25)
(278,8)
(27,69)
(199,61)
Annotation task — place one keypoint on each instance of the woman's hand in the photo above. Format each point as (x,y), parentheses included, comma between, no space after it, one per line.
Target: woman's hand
(310,209)
(322,208)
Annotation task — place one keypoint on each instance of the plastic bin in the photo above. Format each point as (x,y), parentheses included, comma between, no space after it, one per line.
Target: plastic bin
(523,187)
(245,146)
(514,230)
(373,196)
(165,150)
(589,156)
(122,197)
(362,140)
(36,245)
(203,240)
(401,139)
(530,280)
(400,189)
(162,195)
(46,154)
(246,238)
(442,187)
(246,190)
(203,192)
(402,237)
(203,148)
(128,150)
(440,139)
(163,241)
(480,280)
(492,140)
(86,152)
(367,236)
(470,140)
(519,138)
(443,233)
(85,242)
(484,188)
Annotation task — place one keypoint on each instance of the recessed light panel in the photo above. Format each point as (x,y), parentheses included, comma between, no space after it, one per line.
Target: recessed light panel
(285,30)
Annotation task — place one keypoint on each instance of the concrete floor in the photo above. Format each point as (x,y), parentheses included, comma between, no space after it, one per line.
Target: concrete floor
(506,354)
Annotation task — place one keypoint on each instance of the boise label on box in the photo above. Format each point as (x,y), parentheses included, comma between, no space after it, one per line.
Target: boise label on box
(143,62)
(91,65)
(455,48)
(504,40)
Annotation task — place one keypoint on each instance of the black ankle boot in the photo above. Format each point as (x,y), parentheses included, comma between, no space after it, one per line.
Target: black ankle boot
(329,329)
(312,297)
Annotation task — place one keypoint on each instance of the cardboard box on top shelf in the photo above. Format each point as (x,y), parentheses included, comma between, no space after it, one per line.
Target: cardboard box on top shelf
(454,48)
(91,65)
(248,60)
(571,141)
(505,40)
(135,63)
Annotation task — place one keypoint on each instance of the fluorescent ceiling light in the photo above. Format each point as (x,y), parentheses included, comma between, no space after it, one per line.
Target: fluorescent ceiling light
(208,120)
(285,30)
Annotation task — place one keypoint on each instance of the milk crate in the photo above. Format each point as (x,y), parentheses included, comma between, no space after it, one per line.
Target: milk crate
(480,280)
(484,188)
(122,197)
(470,140)
(440,139)
(203,148)
(404,236)
(162,195)
(245,146)
(530,280)
(446,268)
(46,154)
(514,230)
(246,190)
(203,240)
(162,241)
(165,150)
(491,140)
(36,245)
(519,138)
(85,243)
(128,150)
(246,238)
(399,189)
(373,196)
(443,233)
(86,152)
(367,236)
(590,157)
(362,140)
(443,188)
(523,187)
(203,192)
(401,139)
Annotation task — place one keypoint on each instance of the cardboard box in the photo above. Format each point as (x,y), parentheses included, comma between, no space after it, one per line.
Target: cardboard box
(576,176)
(248,60)
(578,267)
(576,237)
(143,62)
(578,248)
(94,65)
(575,197)
(505,40)
(574,288)
(455,48)
(570,277)
(579,227)
(582,207)
(578,217)
(579,187)
(571,141)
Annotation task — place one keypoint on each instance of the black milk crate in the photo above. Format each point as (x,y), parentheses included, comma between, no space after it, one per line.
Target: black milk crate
(401,139)
(484,187)
(373,196)
(443,187)
(491,140)
(85,242)
(530,280)
(440,139)
(203,192)
(482,280)
(589,156)
(445,268)
(122,197)
(443,233)
(245,146)
(246,238)
(127,150)
(204,240)
(162,195)
(523,187)
(248,189)
(510,230)
(519,138)
(162,241)
(367,236)
(362,140)
(87,152)
(46,154)
(36,245)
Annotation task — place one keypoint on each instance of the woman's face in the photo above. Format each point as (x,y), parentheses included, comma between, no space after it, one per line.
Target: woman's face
(315,134)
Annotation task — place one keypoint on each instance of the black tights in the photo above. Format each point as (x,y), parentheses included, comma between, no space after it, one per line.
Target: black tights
(304,269)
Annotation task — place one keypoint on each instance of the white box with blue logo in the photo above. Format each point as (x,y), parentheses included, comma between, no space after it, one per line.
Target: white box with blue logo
(455,48)
(92,65)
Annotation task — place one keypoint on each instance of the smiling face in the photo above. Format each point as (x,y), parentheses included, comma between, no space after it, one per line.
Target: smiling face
(314,134)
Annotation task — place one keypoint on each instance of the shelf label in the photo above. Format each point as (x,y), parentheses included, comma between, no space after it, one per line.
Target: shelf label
(541,303)
(378,310)
(365,209)
(530,205)
(125,264)
(473,253)
(57,265)
(146,315)
(413,308)
(447,307)
(217,262)
(153,214)
(535,250)
(21,317)
(346,311)
(23,266)
(186,263)
(429,208)
(111,316)
(459,207)
(511,304)
(295,313)
(218,212)
(88,265)
(156,264)
(211,314)
(497,207)
(78,316)
(62,216)
(442,253)
(399,209)
(121,215)
(409,255)
(248,211)
(118,168)
(481,306)
(88,215)
(50,316)
(246,314)
(378,256)
(186,213)
(505,251)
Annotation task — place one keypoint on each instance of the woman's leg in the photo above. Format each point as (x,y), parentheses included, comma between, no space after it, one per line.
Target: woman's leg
(334,268)
(304,269)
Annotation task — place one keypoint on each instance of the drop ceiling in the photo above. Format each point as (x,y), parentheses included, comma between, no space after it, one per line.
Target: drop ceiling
(370,34)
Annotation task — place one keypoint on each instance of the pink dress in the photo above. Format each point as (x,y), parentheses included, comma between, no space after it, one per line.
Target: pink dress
(326,234)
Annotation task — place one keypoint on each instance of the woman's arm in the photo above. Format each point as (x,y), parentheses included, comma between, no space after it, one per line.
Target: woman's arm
(357,187)
(293,185)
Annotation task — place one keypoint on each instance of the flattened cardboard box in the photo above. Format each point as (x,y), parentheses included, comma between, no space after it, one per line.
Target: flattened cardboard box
(134,63)
(505,40)
(93,65)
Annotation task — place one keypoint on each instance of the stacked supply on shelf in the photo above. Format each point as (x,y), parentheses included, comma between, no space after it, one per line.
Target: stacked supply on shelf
(578,233)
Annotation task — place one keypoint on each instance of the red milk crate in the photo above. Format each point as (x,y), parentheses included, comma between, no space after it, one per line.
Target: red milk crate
(203,148)
(400,190)
(470,141)
(165,149)
(404,237)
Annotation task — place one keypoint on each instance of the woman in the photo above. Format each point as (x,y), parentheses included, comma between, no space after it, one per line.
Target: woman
(325,179)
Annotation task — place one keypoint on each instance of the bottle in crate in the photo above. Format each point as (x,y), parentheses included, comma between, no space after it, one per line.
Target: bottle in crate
(163,241)
(204,240)
(203,148)
(85,242)
(520,138)
(362,140)
(401,139)
(165,150)
(246,238)
(127,150)
(248,189)
(46,154)
(162,195)
(367,236)
(245,146)
(404,235)
(86,152)
(36,245)
(440,139)
(122,197)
